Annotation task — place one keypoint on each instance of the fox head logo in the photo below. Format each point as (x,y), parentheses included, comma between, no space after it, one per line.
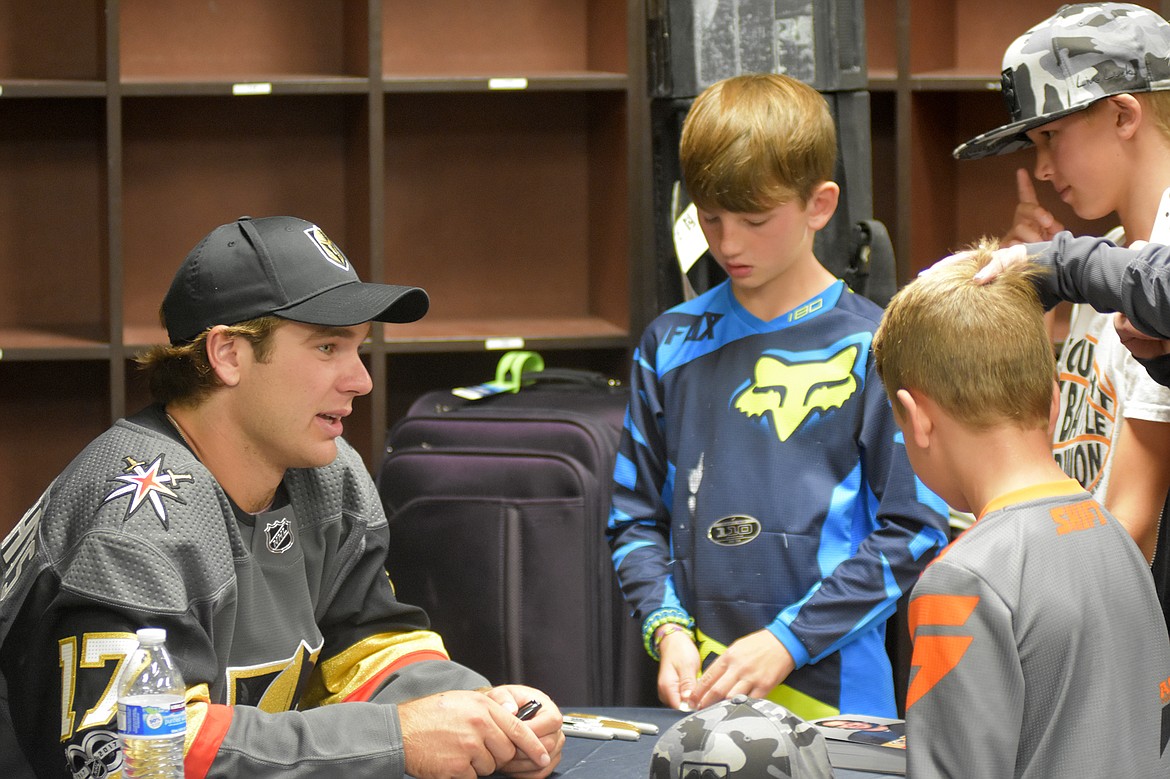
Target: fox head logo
(792,391)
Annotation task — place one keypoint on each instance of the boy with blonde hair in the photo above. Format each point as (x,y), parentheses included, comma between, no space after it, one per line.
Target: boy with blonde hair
(765,518)
(1039,648)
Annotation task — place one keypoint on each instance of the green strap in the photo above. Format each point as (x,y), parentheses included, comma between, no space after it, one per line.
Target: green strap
(512,366)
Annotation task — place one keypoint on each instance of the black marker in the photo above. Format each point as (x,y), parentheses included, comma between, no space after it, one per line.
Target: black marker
(528,710)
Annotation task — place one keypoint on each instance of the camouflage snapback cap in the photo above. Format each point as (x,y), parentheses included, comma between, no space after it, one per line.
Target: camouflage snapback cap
(1078,55)
(741,738)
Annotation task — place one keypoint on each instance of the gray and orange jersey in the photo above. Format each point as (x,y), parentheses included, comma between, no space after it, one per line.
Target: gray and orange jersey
(1039,648)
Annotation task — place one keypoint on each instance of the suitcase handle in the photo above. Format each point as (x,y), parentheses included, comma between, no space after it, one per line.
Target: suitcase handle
(570,378)
(512,366)
(520,369)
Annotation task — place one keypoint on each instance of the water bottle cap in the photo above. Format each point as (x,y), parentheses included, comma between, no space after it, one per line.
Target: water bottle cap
(151,635)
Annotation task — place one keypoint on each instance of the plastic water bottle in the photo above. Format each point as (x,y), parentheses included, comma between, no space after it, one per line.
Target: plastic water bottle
(152,712)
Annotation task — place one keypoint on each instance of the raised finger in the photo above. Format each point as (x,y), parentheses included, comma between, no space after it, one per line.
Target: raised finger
(1025,190)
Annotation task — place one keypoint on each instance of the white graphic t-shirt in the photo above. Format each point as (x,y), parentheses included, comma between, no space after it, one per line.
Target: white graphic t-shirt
(1101,384)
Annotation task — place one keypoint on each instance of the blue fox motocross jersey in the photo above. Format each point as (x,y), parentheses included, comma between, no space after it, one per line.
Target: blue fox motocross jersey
(762,482)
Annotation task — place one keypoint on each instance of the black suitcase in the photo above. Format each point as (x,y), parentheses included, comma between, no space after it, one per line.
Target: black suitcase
(497,510)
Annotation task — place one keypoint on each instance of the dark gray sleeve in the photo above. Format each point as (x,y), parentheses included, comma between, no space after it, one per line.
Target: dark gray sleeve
(1109,278)
(364,738)
(965,700)
(417,680)
(1158,368)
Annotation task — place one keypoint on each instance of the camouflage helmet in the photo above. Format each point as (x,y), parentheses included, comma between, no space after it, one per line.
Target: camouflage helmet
(741,738)
(1075,57)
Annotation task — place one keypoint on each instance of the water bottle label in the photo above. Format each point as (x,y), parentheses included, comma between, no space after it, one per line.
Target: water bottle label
(152,720)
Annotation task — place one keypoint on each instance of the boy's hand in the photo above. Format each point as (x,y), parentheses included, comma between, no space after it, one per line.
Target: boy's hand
(752,666)
(1032,222)
(677,670)
(1142,346)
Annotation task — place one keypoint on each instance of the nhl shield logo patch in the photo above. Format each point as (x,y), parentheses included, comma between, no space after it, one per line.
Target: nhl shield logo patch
(278,536)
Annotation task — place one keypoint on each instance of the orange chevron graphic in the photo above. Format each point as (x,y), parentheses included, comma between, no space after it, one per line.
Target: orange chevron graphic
(936,655)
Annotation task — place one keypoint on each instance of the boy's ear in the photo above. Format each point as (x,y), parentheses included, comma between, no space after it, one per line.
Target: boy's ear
(1054,410)
(1127,113)
(916,416)
(823,204)
(223,354)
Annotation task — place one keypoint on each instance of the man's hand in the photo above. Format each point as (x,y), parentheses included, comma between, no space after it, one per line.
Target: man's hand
(1032,222)
(1000,260)
(546,725)
(465,734)
(677,670)
(752,666)
(1142,346)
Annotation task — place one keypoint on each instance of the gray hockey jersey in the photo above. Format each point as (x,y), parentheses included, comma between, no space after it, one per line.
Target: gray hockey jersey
(272,619)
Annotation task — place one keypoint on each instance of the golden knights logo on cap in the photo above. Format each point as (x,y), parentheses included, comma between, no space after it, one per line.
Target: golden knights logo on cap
(327,248)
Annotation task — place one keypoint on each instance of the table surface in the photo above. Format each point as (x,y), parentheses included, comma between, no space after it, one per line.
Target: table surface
(584,758)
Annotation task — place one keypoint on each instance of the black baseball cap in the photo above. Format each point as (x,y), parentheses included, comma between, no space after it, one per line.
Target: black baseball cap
(277,266)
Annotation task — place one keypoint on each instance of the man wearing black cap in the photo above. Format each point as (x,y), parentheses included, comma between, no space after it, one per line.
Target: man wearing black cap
(233,514)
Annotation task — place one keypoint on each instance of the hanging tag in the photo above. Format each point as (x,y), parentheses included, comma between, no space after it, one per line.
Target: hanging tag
(689,241)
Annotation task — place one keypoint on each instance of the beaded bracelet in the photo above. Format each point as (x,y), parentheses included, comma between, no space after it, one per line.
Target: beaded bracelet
(665,616)
(666,630)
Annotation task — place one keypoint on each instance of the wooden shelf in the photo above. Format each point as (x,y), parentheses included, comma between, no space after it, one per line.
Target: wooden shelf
(882,80)
(246,85)
(30,87)
(194,41)
(486,151)
(505,37)
(955,80)
(26,339)
(505,333)
(427,335)
(61,41)
(581,81)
